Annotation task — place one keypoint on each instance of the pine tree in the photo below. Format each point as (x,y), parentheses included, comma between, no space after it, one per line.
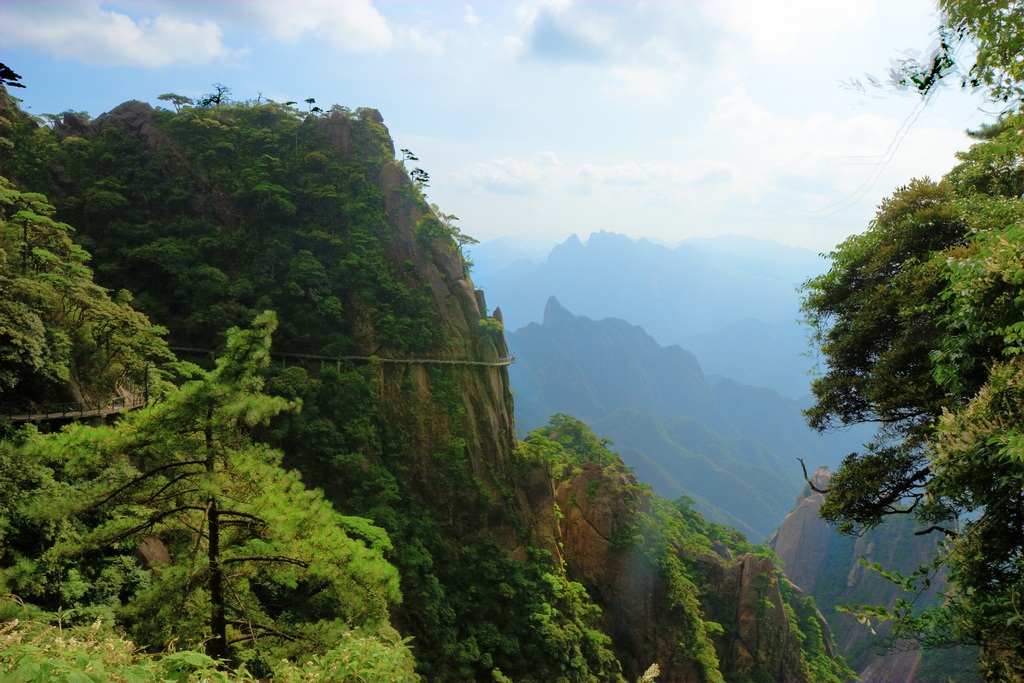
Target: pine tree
(255,557)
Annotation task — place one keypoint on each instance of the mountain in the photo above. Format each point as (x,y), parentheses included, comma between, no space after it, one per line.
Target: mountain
(827,566)
(731,447)
(733,301)
(385,387)
(498,254)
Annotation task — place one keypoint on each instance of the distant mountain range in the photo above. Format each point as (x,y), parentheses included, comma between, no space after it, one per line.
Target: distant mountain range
(733,301)
(731,447)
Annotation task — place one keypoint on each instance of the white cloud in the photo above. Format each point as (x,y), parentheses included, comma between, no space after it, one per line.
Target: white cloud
(89,33)
(555,30)
(781,26)
(470,16)
(646,50)
(544,174)
(501,176)
(348,25)
(424,38)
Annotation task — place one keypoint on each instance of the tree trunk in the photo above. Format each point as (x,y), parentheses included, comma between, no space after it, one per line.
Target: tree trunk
(217,646)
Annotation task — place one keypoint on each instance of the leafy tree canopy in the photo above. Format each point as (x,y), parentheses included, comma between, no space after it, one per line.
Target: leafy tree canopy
(920,325)
(60,333)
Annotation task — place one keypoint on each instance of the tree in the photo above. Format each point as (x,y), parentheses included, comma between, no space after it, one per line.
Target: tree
(873,318)
(178,101)
(407,155)
(920,322)
(447,221)
(994,33)
(58,329)
(257,558)
(219,96)
(8,78)
(420,178)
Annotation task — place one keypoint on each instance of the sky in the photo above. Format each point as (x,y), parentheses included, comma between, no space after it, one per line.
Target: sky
(665,119)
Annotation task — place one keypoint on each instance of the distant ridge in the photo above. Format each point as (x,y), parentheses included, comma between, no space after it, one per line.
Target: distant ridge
(731,447)
(731,301)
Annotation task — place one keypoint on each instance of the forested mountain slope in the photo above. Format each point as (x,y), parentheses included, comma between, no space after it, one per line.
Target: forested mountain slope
(213,215)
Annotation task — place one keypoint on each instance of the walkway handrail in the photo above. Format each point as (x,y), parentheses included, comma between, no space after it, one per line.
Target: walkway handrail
(500,362)
(74,410)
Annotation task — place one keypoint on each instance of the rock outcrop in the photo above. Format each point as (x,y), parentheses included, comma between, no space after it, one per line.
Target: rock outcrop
(803,540)
(598,508)
(827,566)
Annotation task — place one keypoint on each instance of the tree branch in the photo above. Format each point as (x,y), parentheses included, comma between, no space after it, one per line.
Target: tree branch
(148,523)
(251,634)
(140,478)
(809,482)
(283,559)
(936,527)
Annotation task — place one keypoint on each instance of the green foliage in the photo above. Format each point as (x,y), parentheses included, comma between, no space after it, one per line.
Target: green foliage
(990,33)
(492,328)
(58,328)
(470,607)
(34,653)
(525,618)
(805,620)
(252,198)
(257,560)
(995,29)
(578,441)
(662,539)
(936,358)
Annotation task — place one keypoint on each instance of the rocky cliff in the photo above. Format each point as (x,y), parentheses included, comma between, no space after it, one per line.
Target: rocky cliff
(739,604)
(828,566)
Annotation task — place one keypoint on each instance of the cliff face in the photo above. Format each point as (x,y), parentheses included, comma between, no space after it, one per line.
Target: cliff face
(803,540)
(642,608)
(211,215)
(827,566)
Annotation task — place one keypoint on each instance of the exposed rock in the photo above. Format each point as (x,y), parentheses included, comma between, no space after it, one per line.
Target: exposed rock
(802,540)
(742,595)
(153,552)
(134,117)
(827,566)
(339,132)
(70,124)
(757,634)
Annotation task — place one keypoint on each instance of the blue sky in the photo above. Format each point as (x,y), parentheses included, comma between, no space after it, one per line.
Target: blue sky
(664,119)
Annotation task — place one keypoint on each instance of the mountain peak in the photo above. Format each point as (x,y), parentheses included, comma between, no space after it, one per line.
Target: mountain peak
(555,312)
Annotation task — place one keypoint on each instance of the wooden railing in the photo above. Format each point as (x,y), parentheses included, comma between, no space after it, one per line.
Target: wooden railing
(322,359)
(74,410)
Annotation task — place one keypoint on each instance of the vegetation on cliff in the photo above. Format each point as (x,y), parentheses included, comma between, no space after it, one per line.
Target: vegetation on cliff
(61,335)
(427,541)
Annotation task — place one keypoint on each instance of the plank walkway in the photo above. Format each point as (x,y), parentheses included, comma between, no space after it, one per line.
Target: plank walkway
(83,409)
(285,356)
